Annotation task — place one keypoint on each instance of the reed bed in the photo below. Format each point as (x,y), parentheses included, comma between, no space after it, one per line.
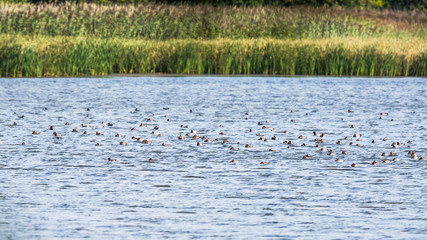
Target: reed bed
(163,22)
(74,56)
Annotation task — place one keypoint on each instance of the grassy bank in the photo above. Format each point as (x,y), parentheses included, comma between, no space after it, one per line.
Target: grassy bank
(73,56)
(88,39)
(162,22)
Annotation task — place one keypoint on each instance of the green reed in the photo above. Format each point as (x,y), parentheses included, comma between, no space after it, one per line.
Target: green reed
(162,22)
(65,56)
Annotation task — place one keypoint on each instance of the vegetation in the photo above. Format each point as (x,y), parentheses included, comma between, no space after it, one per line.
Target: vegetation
(71,56)
(89,39)
(395,4)
(161,22)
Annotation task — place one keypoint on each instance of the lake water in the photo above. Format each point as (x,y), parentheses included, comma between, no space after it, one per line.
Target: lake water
(54,188)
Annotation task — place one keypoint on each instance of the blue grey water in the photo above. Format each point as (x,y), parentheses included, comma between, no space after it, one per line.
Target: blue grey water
(66,188)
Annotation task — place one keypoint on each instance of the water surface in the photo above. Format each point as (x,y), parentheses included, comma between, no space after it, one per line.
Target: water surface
(66,188)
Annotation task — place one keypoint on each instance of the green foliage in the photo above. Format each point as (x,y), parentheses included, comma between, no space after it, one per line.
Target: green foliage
(154,21)
(88,56)
(396,4)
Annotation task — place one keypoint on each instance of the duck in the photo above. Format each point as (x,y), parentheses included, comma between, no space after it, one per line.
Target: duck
(36,133)
(111,160)
(375,163)
(248,146)
(354,165)
(123,143)
(339,160)
(181,137)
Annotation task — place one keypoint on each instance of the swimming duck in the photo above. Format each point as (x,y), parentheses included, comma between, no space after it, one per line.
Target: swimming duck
(248,146)
(354,165)
(375,163)
(36,133)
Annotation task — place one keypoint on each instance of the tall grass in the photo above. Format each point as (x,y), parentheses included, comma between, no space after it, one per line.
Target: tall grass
(162,22)
(72,56)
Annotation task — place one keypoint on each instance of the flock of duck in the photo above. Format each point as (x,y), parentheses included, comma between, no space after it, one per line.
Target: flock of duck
(262,131)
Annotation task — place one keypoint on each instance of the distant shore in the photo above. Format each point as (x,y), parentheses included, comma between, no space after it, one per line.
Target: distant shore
(88,39)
